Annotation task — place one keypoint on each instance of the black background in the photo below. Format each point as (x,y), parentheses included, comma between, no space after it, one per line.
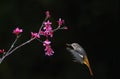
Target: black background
(92,23)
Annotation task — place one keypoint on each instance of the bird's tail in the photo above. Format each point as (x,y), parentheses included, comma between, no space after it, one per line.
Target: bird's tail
(86,62)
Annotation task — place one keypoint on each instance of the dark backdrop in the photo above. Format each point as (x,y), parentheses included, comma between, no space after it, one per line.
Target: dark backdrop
(92,23)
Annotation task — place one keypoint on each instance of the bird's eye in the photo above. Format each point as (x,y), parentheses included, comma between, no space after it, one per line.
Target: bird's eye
(74,45)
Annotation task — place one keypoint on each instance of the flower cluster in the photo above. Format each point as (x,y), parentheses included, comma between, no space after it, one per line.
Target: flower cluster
(48,49)
(45,30)
(48,31)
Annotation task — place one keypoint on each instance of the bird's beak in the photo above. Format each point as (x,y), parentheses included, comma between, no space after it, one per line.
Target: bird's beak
(86,62)
(68,44)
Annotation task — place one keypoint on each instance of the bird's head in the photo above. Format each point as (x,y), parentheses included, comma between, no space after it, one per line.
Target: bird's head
(74,45)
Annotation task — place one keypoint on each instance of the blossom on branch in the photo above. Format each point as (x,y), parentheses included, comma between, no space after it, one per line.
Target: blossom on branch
(47,29)
(35,35)
(2,50)
(60,22)
(44,30)
(48,49)
(17,31)
(47,14)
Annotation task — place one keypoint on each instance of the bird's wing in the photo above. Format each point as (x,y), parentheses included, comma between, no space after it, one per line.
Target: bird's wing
(76,55)
(81,51)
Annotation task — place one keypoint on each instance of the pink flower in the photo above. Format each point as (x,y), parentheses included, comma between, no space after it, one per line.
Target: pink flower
(47,14)
(46,33)
(35,35)
(47,29)
(60,22)
(47,25)
(41,32)
(48,49)
(2,50)
(51,33)
(17,31)
(46,42)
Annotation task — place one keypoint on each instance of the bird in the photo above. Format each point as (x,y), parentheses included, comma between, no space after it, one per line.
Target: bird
(79,55)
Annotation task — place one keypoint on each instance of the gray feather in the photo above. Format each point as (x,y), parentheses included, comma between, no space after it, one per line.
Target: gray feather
(78,57)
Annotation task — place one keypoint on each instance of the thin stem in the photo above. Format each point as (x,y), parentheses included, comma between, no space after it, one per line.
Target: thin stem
(8,53)
(13,44)
(56,28)
(39,40)
(2,59)
(42,25)
(59,28)
(20,46)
